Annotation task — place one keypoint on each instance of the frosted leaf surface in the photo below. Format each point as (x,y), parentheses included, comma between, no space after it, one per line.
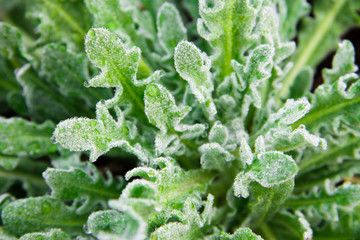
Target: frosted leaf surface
(214,156)
(194,67)
(97,135)
(326,201)
(241,233)
(161,110)
(268,169)
(106,51)
(36,214)
(80,184)
(292,111)
(54,234)
(112,224)
(219,134)
(342,64)
(20,137)
(228,26)
(170,27)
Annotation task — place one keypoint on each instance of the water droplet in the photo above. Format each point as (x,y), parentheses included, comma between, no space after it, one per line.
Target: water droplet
(152,90)
(91,33)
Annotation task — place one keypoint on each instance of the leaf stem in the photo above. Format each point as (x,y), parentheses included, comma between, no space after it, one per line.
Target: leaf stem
(309,49)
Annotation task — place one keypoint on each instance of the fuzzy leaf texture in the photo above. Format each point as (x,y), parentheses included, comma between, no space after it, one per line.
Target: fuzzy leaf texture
(189,119)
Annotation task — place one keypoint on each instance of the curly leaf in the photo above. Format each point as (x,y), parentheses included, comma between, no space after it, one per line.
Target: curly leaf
(296,223)
(194,67)
(268,169)
(98,136)
(76,183)
(161,110)
(326,202)
(343,63)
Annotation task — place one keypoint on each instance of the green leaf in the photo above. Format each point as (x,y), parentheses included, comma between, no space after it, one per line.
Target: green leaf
(343,63)
(61,21)
(326,202)
(194,67)
(334,104)
(11,46)
(169,36)
(81,184)
(23,138)
(111,224)
(53,234)
(4,234)
(339,149)
(161,110)
(291,11)
(119,66)
(319,35)
(268,169)
(249,77)
(8,162)
(97,135)
(39,214)
(241,233)
(266,201)
(228,26)
(43,101)
(68,72)
(214,156)
(296,223)
(28,172)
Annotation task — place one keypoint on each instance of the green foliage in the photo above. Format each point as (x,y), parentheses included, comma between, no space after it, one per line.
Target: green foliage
(200,116)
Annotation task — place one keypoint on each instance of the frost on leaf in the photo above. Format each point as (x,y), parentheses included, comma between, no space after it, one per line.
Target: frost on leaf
(268,169)
(170,28)
(327,202)
(97,135)
(119,66)
(36,214)
(194,67)
(112,224)
(54,234)
(81,184)
(162,112)
(20,137)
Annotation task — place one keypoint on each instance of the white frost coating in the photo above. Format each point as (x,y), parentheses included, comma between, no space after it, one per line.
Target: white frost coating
(308,234)
(246,155)
(194,66)
(260,144)
(108,52)
(268,169)
(297,137)
(292,111)
(169,36)
(145,172)
(214,156)
(219,133)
